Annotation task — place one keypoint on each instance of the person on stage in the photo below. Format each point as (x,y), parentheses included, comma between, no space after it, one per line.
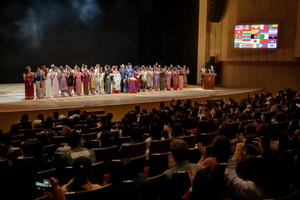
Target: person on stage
(186,72)
(101,81)
(144,75)
(122,72)
(55,84)
(28,77)
(212,70)
(108,77)
(93,82)
(86,80)
(39,87)
(175,75)
(180,78)
(116,83)
(48,84)
(156,78)
(129,70)
(78,81)
(203,71)
(162,81)
(150,78)
(168,79)
(96,72)
(137,76)
(63,84)
(71,77)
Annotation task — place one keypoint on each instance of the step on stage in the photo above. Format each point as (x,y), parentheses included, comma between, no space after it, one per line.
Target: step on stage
(13,103)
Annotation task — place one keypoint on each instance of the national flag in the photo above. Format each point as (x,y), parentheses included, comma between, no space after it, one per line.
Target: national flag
(256,46)
(264,31)
(264,45)
(239,27)
(264,41)
(255,41)
(255,27)
(238,32)
(273,26)
(261,36)
(246,27)
(272,45)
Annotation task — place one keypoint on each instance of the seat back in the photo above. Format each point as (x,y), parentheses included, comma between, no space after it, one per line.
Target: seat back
(190,139)
(133,150)
(139,162)
(50,149)
(160,146)
(88,137)
(207,138)
(106,154)
(203,126)
(158,163)
(231,129)
(180,183)
(192,122)
(94,194)
(47,173)
(158,184)
(58,139)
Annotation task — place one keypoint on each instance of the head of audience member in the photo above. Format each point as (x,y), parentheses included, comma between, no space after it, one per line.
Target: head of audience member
(24,118)
(6,139)
(40,117)
(55,115)
(144,111)
(141,189)
(14,129)
(266,118)
(177,129)
(82,169)
(85,128)
(105,139)
(162,105)
(155,131)
(136,134)
(126,130)
(203,179)
(32,148)
(221,149)
(109,116)
(256,115)
(74,139)
(179,150)
(43,137)
(36,123)
(243,117)
(279,117)
(83,117)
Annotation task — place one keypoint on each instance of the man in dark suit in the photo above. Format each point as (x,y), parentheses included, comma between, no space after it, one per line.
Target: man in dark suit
(122,72)
(212,70)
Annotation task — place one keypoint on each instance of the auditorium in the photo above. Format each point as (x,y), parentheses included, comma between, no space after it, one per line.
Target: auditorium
(150,99)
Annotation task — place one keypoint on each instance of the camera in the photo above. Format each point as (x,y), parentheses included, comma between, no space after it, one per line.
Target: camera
(43,184)
(250,143)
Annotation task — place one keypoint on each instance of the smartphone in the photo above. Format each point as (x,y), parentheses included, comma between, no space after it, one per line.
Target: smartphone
(43,184)
(250,143)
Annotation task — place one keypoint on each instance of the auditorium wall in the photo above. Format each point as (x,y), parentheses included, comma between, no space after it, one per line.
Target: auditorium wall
(271,69)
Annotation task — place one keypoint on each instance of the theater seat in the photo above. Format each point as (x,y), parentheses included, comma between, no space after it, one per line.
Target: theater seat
(94,194)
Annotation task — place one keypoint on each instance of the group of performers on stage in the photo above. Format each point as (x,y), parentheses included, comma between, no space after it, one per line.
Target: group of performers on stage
(55,81)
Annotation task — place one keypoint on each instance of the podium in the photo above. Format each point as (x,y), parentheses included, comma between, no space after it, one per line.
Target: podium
(209,81)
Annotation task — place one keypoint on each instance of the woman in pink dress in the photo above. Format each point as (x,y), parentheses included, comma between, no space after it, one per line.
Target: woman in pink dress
(55,84)
(168,78)
(29,88)
(175,78)
(78,81)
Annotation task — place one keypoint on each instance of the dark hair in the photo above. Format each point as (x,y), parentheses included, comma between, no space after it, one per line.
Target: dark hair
(82,169)
(85,128)
(177,129)
(43,137)
(162,105)
(243,117)
(24,118)
(267,117)
(106,139)
(136,134)
(65,121)
(14,129)
(41,117)
(280,117)
(82,116)
(155,131)
(221,149)
(74,138)
(55,115)
(126,130)
(4,153)
(179,149)
(107,126)
(6,139)
(109,116)
(32,147)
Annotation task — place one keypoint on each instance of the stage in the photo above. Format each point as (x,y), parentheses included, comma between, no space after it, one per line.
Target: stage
(13,104)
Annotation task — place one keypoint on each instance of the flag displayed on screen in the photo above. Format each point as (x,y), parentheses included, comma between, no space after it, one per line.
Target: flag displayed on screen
(256,36)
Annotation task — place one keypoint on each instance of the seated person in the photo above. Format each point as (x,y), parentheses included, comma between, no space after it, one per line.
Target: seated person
(270,179)
(77,150)
(178,158)
(82,168)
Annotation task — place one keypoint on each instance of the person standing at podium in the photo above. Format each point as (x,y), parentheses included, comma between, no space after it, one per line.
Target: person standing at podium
(212,70)
(203,71)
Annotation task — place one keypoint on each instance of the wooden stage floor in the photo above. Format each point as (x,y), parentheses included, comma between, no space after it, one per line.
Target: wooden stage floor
(13,104)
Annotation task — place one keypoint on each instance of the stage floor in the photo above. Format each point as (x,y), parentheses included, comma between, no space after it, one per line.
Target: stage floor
(12,98)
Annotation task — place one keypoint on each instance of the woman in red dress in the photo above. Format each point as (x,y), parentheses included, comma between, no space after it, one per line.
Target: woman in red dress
(29,88)
(175,78)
